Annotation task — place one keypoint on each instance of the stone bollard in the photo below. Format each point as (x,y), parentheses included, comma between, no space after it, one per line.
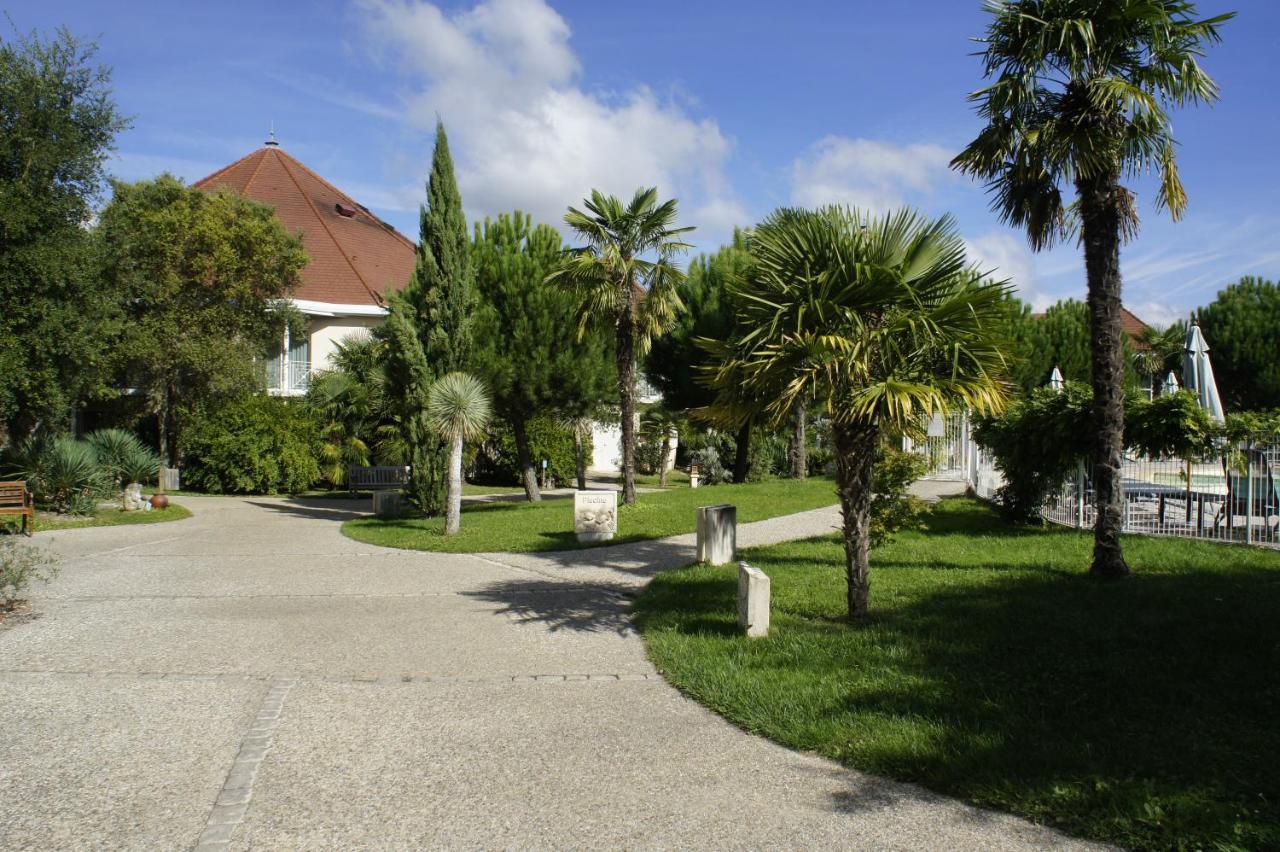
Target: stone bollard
(753,601)
(387,504)
(717,533)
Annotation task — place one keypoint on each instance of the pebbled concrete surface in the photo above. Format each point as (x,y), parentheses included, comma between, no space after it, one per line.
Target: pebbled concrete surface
(249,678)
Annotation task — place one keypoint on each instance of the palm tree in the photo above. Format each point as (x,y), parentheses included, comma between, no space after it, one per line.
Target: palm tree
(1156,352)
(1080,96)
(878,322)
(625,274)
(458,408)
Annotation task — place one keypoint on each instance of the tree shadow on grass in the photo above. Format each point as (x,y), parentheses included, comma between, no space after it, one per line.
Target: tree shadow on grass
(1141,712)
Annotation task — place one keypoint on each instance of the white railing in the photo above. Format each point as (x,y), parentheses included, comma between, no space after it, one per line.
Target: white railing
(1232,495)
(292,380)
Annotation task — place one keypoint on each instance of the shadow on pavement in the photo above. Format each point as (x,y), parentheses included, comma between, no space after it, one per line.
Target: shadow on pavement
(598,608)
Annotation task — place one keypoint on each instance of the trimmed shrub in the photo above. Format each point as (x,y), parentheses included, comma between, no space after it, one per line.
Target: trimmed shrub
(496,463)
(254,445)
(892,508)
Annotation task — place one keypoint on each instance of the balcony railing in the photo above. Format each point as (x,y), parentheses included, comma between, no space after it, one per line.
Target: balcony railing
(293,380)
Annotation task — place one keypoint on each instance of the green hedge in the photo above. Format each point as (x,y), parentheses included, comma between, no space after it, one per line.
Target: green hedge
(496,463)
(256,445)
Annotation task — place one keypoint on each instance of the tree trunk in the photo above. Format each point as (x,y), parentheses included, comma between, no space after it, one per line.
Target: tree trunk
(1100,220)
(742,457)
(580,457)
(453,499)
(799,460)
(626,358)
(665,460)
(524,457)
(855,448)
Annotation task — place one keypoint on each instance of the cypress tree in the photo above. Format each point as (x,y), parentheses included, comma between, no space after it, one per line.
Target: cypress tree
(438,302)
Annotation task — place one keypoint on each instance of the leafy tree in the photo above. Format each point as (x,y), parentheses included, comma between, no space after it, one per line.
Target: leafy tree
(1242,325)
(201,277)
(408,383)
(1059,337)
(678,360)
(458,409)
(438,302)
(626,275)
(528,352)
(1080,99)
(58,123)
(879,320)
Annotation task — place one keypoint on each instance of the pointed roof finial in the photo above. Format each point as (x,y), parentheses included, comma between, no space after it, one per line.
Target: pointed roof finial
(271,140)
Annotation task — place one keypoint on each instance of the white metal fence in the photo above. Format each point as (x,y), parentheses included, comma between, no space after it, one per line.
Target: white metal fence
(1232,495)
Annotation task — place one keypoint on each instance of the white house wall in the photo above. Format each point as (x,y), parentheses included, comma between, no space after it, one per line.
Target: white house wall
(328,332)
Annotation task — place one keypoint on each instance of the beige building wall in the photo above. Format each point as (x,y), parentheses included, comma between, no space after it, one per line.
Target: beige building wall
(328,332)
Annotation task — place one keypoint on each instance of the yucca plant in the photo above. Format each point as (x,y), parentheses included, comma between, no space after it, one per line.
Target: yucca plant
(881,322)
(458,408)
(124,457)
(64,474)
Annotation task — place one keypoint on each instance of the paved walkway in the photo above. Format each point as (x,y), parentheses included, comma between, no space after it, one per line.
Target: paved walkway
(251,678)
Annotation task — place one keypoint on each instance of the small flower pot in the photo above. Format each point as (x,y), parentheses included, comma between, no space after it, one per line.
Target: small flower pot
(159,501)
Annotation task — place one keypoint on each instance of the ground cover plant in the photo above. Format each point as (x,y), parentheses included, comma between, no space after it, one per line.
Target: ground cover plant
(1139,713)
(528,527)
(111,516)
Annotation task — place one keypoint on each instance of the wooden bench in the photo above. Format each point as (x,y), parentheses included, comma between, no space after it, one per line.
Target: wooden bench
(379,478)
(15,499)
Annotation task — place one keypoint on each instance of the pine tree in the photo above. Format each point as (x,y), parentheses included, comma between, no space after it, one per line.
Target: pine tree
(438,302)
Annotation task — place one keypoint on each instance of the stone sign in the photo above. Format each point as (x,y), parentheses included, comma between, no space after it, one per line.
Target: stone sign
(595,515)
(753,601)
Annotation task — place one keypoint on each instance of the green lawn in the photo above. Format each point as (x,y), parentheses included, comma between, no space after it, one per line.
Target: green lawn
(105,517)
(526,527)
(1145,713)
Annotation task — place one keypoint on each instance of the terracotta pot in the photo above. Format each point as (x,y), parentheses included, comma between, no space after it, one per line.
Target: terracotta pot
(159,501)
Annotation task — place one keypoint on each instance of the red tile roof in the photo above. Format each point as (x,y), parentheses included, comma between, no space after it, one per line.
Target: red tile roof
(1133,326)
(354,258)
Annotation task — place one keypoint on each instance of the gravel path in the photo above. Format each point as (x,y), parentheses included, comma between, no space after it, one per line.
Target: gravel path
(249,678)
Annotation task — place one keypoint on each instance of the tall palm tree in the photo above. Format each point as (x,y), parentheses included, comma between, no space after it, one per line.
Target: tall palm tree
(877,321)
(1080,99)
(626,275)
(458,408)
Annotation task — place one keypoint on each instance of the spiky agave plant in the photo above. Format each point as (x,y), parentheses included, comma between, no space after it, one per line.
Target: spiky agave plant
(458,408)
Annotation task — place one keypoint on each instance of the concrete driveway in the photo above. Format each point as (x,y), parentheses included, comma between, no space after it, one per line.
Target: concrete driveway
(250,678)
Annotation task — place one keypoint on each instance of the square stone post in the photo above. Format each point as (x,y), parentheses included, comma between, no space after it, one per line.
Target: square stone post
(753,601)
(717,533)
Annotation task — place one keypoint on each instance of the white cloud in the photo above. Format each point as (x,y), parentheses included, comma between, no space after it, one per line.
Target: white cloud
(1006,257)
(867,173)
(525,132)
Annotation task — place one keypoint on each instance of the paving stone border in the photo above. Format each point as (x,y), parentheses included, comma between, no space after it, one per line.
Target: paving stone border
(237,791)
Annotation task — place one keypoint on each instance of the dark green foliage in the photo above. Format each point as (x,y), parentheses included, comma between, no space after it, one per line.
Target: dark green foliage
(675,358)
(124,458)
(1038,441)
(1172,425)
(437,305)
(498,463)
(57,126)
(1141,714)
(1059,337)
(528,351)
(892,508)
(1242,327)
(201,276)
(254,445)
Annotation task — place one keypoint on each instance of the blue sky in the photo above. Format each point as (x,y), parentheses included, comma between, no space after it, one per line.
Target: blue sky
(733,107)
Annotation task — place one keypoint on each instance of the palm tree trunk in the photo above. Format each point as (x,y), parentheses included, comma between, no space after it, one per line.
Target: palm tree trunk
(453,500)
(626,358)
(742,457)
(855,458)
(580,456)
(524,456)
(665,460)
(798,460)
(1100,219)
